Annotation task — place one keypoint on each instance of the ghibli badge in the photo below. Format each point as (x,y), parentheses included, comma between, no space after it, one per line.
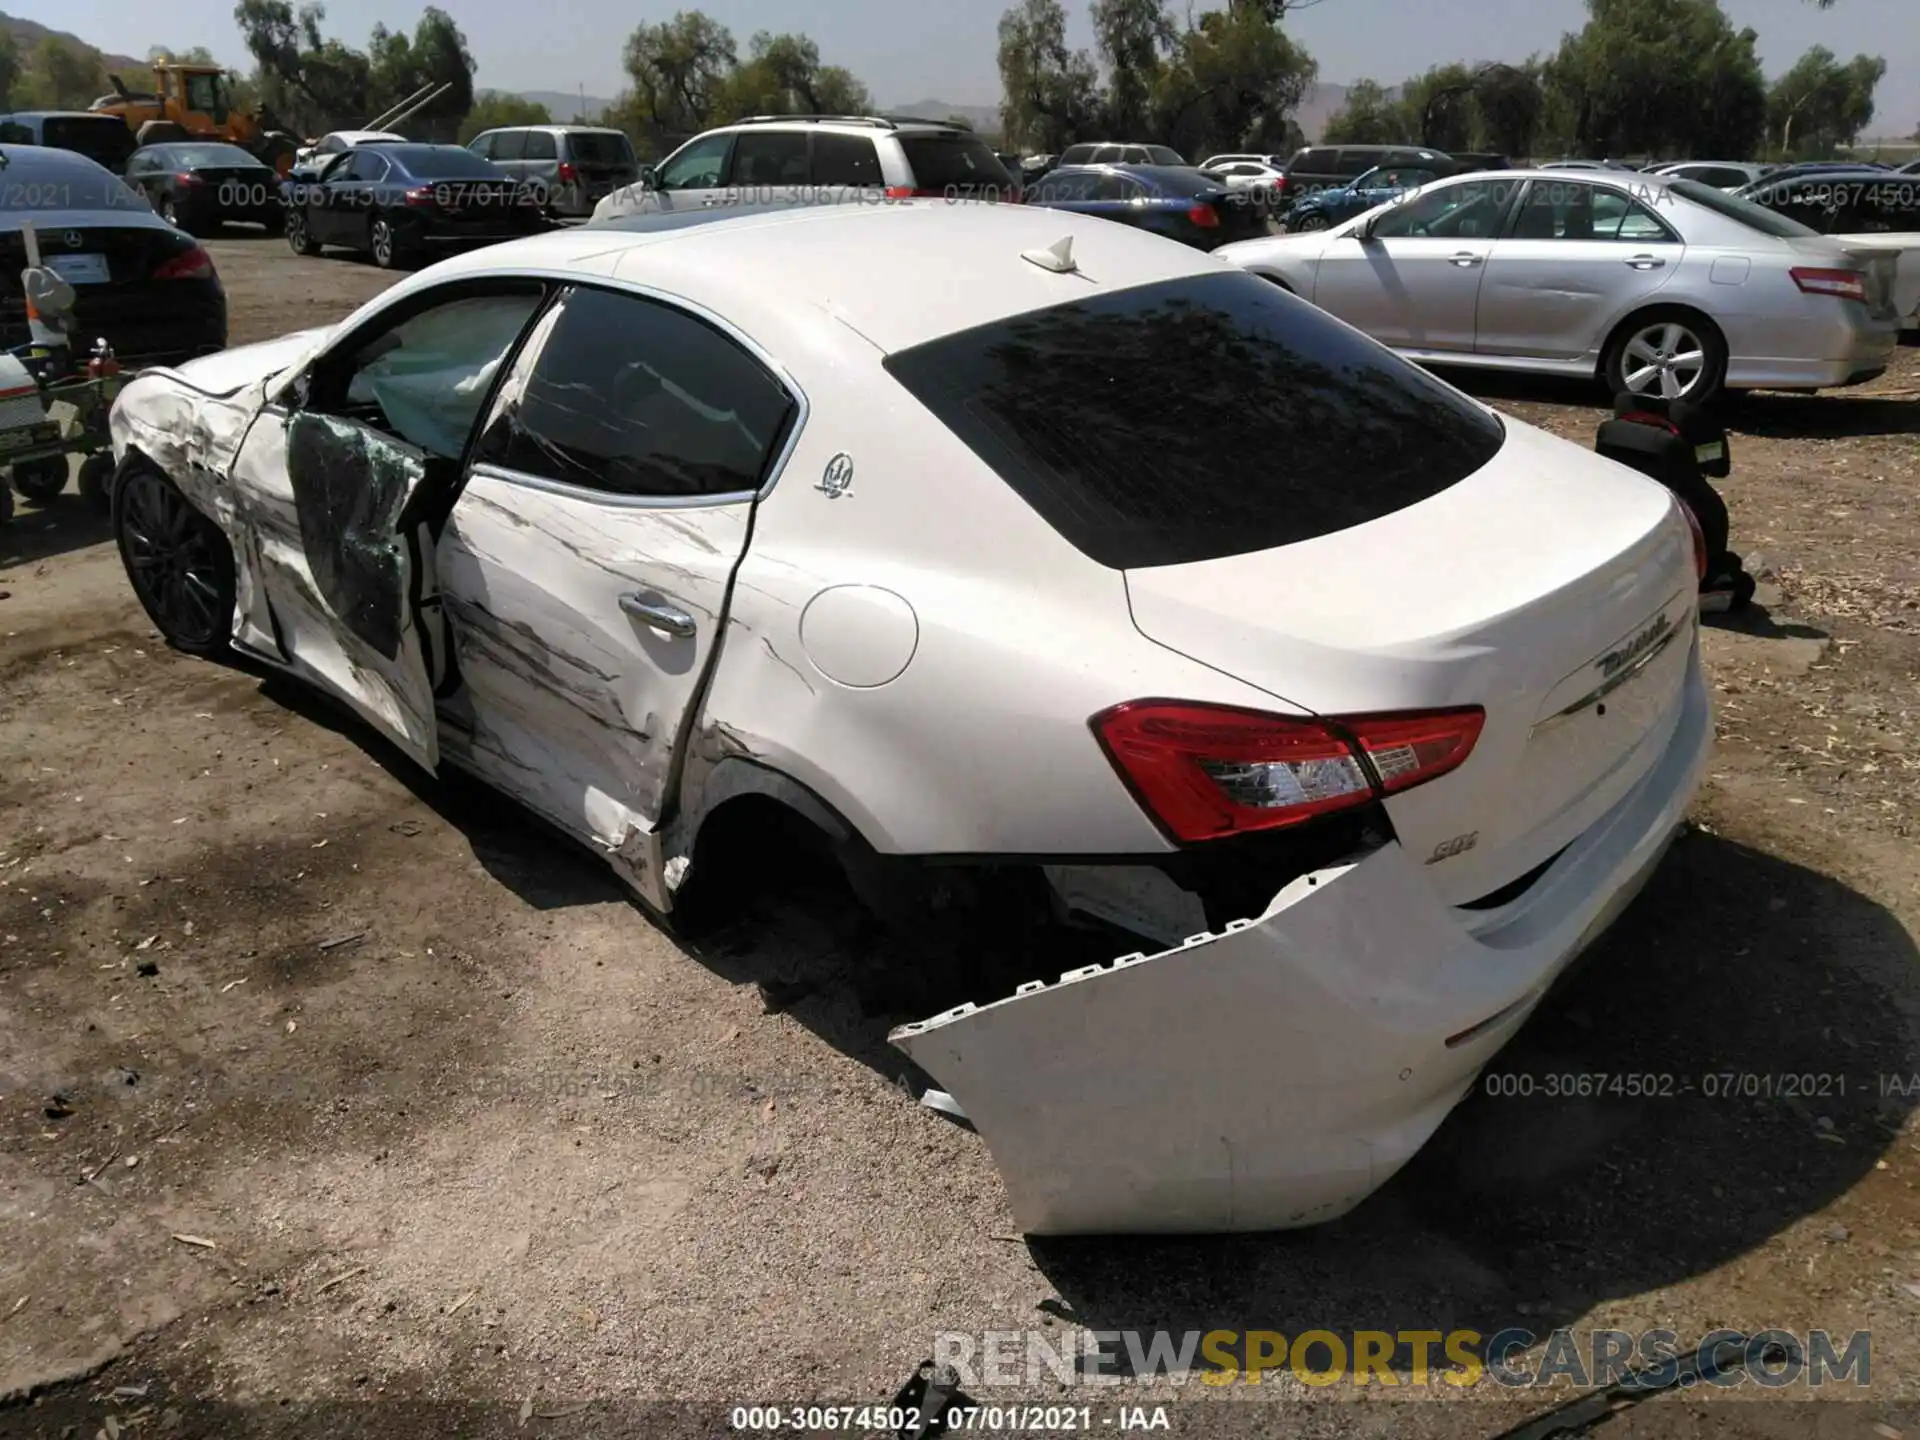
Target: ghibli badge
(1614,661)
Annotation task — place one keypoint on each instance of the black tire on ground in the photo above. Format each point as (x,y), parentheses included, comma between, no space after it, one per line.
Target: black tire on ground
(178,561)
(96,482)
(294,226)
(41,479)
(1648,342)
(1310,222)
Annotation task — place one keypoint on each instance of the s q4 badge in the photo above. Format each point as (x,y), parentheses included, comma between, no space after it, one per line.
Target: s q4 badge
(837,477)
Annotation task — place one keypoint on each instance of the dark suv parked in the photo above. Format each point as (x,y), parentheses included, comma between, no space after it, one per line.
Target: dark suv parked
(1331,167)
(104,139)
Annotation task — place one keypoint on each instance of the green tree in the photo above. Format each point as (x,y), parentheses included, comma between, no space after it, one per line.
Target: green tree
(9,68)
(1439,106)
(1821,104)
(60,74)
(436,54)
(1051,94)
(1660,76)
(1133,38)
(782,75)
(494,108)
(1370,116)
(1510,106)
(1233,82)
(678,68)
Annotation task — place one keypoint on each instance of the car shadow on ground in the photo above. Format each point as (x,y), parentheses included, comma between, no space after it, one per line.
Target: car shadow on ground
(1757,620)
(1774,414)
(543,867)
(1747,1000)
(41,530)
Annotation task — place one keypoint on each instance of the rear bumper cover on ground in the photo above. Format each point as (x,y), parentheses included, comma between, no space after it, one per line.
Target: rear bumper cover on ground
(1275,1074)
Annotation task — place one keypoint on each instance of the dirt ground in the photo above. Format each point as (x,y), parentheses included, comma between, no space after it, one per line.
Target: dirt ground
(335,1100)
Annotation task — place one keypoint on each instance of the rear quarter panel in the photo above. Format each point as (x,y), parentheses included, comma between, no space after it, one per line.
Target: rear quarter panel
(981,744)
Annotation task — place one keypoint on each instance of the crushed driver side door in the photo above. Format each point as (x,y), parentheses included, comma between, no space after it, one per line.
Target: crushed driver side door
(371,631)
(349,473)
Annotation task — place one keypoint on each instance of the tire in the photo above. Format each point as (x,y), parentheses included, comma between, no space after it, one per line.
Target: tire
(96,482)
(41,479)
(179,564)
(299,238)
(1310,223)
(384,243)
(1651,350)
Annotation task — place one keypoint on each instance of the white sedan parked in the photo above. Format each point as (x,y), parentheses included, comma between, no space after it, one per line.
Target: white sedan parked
(915,521)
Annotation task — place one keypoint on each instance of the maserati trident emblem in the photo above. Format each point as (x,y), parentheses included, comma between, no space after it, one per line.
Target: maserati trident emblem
(837,477)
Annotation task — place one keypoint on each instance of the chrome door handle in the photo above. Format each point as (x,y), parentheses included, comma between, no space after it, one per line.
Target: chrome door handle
(1465,259)
(1646,262)
(657,613)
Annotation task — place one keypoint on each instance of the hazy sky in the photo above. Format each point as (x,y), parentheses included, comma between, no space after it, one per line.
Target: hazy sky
(945,50)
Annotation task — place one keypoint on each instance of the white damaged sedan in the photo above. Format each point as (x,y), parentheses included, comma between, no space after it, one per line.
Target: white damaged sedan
(1000,541)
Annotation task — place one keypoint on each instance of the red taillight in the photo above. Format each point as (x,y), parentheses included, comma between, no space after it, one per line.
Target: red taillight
(909,192)
(1699,538)
(1205,216)
(420,197)
(1841,284)
(566,174)
(1205,771)
(194,264)
(188,178)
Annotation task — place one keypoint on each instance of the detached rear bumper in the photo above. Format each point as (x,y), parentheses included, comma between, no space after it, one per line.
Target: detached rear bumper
(1275,1074)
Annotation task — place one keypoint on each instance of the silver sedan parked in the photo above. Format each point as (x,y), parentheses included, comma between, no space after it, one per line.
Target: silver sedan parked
(1652,285)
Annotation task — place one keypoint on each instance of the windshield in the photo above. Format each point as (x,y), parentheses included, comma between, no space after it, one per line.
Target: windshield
(1737,207)
(600,147)
(109,141)
(433,162)
(1197,418)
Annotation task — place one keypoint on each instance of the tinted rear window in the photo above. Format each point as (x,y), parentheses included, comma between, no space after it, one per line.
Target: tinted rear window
(600,148)
(1754,216)
(961,164)
(108,141)
(436,161)
(193,155)
(1197,418)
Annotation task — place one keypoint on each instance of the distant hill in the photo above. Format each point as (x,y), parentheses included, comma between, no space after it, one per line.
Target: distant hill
(566,105)
(29,33)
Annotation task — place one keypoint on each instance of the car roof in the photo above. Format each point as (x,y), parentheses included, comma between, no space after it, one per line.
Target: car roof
(557,129)
(897,274)
(361,135)
(1863,172)
(22,160)
(60,115)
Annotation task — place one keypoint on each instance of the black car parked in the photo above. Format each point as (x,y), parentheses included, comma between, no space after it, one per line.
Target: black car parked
(149,290)
(104,139)
(1177,201)
(403,203)
(201,185)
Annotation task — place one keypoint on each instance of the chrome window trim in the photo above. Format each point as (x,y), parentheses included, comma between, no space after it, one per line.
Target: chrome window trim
(406,293)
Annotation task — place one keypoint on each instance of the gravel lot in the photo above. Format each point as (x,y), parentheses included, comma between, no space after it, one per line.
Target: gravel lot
(460,1141)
